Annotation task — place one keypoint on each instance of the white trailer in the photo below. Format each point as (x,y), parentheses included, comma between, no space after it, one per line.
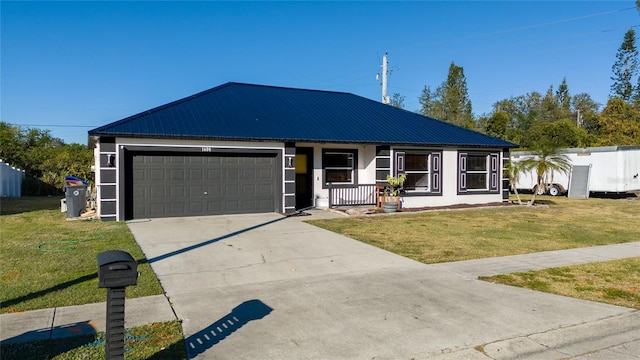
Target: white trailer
(609,169)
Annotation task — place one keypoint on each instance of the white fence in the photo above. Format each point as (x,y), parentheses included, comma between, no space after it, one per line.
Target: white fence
(10,180)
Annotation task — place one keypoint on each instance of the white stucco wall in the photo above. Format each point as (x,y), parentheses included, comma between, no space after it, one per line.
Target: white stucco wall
(450,194)
(366,168)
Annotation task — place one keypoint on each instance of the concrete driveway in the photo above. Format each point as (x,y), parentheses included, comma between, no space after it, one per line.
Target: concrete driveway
(264,286)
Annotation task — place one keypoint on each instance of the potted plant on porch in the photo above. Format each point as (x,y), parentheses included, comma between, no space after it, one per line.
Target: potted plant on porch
(391,192)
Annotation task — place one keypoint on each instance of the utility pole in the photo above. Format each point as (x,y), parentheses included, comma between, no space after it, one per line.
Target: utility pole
(385,97)
(578,119)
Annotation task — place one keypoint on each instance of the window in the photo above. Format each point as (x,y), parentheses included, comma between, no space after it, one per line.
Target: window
(339,166)
(478,172)
(422,169)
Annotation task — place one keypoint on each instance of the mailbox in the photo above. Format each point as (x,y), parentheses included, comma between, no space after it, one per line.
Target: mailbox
(116,269)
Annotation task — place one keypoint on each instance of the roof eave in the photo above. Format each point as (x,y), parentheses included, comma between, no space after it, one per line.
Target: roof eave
(303,140)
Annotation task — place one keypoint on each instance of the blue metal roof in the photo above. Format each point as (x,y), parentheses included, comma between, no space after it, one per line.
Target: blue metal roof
(246,112)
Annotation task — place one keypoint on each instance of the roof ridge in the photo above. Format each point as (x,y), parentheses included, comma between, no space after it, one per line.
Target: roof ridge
(289,88)
(202,93)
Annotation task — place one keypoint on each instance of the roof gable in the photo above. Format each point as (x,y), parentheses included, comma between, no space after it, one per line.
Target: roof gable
(236,111)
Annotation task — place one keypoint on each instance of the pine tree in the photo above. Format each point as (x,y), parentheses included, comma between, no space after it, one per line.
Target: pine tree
(625,68)
(563,98)
(450,101)
(397,100)
(455,98)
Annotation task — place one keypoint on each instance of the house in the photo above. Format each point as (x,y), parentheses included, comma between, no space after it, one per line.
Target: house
(243,148)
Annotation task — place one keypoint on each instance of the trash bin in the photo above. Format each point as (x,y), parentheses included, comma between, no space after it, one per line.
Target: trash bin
(76,199)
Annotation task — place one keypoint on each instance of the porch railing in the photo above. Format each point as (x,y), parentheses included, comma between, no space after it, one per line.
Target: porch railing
(353,195)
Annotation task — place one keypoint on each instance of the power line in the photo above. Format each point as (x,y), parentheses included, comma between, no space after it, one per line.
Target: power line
(517,29)
(62,126)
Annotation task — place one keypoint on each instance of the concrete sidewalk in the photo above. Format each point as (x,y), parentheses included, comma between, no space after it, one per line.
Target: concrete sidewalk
(69,321)
(289,290)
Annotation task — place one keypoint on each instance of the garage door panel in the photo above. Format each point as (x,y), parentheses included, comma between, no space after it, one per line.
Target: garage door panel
(177,191)
(231,190)
(214,174)
(214,207)
(156,175)
(157,210)
(195,174)
(192,185)
(264,174)
(249,190)
(248,174)
(195,191)
(177,175)
(177,208)
(157,192)
(215,191)
(196,207)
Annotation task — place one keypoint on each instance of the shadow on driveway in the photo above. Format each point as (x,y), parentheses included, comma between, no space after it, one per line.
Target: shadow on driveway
(241,315)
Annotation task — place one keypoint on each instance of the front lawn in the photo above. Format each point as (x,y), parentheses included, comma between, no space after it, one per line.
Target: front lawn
(48,261)
(613,282)
(443,236)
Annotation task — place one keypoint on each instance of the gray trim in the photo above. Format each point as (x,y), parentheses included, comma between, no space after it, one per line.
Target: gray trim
(290,175)
(107,208)
(108,176)
(290,188)
(104,160)
(290,202)
(108,192)
(383,151)
(383,163)
(107,145)
(381,175)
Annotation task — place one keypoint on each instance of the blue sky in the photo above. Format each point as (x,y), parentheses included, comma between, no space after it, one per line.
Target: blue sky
(72,66)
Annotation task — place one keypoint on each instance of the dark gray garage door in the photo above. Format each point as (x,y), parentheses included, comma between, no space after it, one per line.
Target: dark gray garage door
(173,185)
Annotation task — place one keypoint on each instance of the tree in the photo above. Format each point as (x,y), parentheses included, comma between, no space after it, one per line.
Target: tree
(46,160)
(619,124)
(549,107)
(625,68)
(455,98)
(428,99)
(450,101)
(558,134)
(563,98)
(397,100)
(496,124)
(547,159)
(586,112)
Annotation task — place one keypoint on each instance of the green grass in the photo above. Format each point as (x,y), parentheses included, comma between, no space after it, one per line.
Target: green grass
(442,236)
(154,341)
(48,261)
(613,282)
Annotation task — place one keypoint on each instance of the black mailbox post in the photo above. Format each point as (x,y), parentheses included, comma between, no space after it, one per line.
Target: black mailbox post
(116,270)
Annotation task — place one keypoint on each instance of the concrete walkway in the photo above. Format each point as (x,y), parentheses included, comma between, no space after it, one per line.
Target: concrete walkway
(268,287)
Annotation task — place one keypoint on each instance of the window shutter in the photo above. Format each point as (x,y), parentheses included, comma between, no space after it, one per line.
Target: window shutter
(493,184)
(400,163)
(436,166)
(462,172)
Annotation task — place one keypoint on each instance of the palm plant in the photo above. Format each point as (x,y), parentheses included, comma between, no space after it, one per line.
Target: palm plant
(513,170)
(547,159)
